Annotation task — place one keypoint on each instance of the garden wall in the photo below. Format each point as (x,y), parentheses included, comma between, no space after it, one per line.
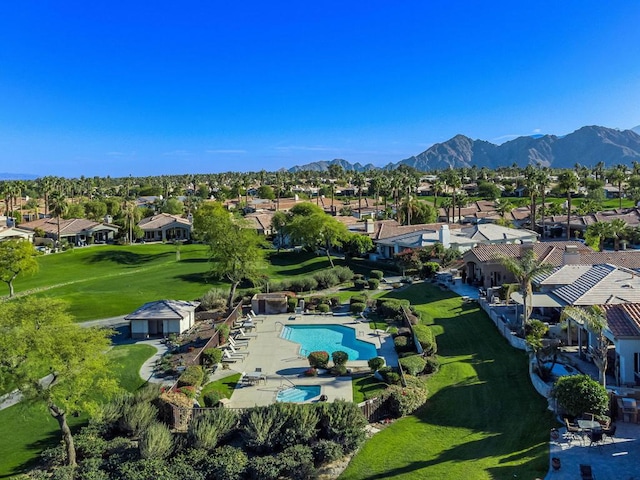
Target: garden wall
(503,328)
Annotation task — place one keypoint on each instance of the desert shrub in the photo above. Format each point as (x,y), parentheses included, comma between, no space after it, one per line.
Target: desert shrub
(432,366)
(344,274)
(344,423)
(339,357)
(425,337)
(303,284)
(404,400)
(292,303)
(229,463)
(318,359)
(211,398)
(137,417)
(156,441)
(193,376)
(264,468)
(339,370)
(301,426)
(212,356)
(326,279)
(214,299)
(377,274)
(360,284)
(429,269)
(374,284)
(296,463)
(323,308)
(577,394)
(413,365)
(358,299)
(375,363)
(260,428)
(147,393)
(223,332)
(326,451)
(403,344)
(110,413)
(206,431)
(357,308)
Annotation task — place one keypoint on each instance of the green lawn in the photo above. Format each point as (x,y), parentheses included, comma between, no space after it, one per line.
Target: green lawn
(366,387)
(224,387)
(483,419)
(26,430)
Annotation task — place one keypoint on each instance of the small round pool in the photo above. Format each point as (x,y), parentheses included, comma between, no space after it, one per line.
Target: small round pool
(298,394)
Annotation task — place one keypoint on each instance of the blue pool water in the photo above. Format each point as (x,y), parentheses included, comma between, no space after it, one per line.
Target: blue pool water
(298,394)
(329,338)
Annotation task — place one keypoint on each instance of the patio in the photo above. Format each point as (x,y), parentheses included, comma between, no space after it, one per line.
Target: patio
(281,366)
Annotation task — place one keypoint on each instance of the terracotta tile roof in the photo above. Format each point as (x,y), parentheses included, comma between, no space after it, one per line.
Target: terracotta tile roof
(390,228)
(261,220)
(624,319)
(70,226)
(546,252)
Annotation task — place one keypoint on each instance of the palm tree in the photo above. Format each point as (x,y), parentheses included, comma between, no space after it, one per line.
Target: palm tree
(595,319)
(525,269)
(57,207)
(567,183)
(617,176)
(544,181)
(502,206)
(446,204)
(598,232)
(618,229)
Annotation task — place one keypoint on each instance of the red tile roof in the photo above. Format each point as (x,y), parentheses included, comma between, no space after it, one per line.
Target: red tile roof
(546,252)
(623,319)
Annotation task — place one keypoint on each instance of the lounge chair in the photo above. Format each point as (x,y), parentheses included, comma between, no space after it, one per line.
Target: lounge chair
(237,352)
(231,357)
(244,335)
(238,343)
(255,316)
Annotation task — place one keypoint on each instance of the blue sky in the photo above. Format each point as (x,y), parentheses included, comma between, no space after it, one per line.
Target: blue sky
(148,88)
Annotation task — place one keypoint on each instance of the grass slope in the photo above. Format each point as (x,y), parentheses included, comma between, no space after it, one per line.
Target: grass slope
(27,429)
(483,419)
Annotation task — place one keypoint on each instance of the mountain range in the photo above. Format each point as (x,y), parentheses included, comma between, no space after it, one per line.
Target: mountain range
(587,146)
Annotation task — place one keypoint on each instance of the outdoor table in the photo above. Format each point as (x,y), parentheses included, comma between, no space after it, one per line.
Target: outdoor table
(255,377)
(589,425)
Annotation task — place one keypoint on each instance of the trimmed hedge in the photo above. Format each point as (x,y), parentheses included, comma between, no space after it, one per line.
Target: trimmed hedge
(318,359)
(425,337)
(357,307)
(358,299)
(377,274)
(339,357)
(192,376)
(374,284)
(360,284)
(403,344)
(413,365)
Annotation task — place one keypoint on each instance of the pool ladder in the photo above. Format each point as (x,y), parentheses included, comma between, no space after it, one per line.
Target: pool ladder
(283,380)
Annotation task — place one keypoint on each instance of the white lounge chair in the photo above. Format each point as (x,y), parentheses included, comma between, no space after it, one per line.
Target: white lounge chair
(244,335)
(226,354)
(238,343)
(237,352)
(255,316)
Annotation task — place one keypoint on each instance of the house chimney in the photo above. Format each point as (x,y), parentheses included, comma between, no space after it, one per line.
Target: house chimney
(368,225)
(444,236)
(108,219)
(571,255)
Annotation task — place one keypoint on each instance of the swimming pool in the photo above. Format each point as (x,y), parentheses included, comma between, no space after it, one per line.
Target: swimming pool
(298,394)
(561,370)
(329,338)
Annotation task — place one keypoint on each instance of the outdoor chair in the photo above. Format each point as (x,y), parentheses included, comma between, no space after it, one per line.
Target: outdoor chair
(586,472)
(243,335)
(238,343)
(237,352)
(596,437)
(573,431)
(609,432)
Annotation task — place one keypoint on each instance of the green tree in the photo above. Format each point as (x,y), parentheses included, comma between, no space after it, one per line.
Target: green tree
(266,192)
(567,183)
(235,249)
(172,206)
(525,269)
(57,206)
(597,233)
(16,257)
(595,319)
(578,394)
(357,245)
(39,336)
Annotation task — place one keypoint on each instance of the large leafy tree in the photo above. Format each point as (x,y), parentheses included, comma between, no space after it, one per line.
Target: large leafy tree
(525,269)
(309,226)
(235,249)
(16,257)
(595,319)
(39,338)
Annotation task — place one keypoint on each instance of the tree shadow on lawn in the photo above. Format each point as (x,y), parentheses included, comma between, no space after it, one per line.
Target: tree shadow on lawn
(194,260)
(127,258)
(201,278)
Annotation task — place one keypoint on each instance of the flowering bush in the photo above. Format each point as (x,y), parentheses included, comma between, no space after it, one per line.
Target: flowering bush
(311,372)
(318,359)
(188,390)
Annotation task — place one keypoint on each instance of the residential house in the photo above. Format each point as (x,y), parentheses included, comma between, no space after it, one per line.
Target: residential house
(162,318)
(76,231)
(15,233)
(165,227)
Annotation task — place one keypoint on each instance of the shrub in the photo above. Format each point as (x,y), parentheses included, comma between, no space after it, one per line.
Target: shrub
(264,468)
(292,303)
(425,337)
(339,357)
(296,463)
(188,390)
(148,393)
(578,394)
(375,363)
(193,376)
(214,299)
(326,279)
(389,376)
(301,426)
(212,356)
(324,308)
(357,276)
(339,370)
(260,428)
(344,274)
(404,400)
(377,274)
(344,423)
(137,417)
(223,332)
(303,284)
(206,431)
(156,441)
(211,398)
(311,372)
(318,359)
(357,308)
(228,462)
(335,301)
(391,308)
(358,299)
(326,451)
(402,344)
(432,366)
(374,284)
(413,365)
(429,269)
(360,284)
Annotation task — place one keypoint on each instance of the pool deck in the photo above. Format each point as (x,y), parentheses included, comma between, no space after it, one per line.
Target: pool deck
(280,361)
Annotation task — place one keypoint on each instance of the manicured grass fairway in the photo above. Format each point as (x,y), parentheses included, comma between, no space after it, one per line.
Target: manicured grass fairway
(26,430)
(483,419)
